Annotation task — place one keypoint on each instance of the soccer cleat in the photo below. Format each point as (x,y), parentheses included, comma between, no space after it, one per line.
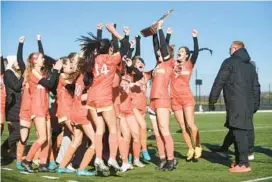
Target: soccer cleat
(36,162)
(145,155)
(43,168)
(251,157)
(198,152)
(113,163)
(175,162)
(130,158)
(162,164)
(84,173)
(170,165)
(19,166)
(190,154)
(52,165)
(64,170)
(70,167)
(28,166)
(100,166)
(125,167)
(138,163)
(239,169)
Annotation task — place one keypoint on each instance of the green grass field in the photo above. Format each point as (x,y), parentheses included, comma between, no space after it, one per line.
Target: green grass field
(211,167)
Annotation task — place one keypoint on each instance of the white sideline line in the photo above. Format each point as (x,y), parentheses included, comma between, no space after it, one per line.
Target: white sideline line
(223,112)
(71,181)
(7,169)
(24,172)
(259,179)
(50,177)
(210,131)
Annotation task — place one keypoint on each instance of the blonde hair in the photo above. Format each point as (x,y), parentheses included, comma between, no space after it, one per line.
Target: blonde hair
(239,44)
(29,66)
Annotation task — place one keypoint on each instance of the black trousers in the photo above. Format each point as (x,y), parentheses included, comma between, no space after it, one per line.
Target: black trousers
(228,141)
(13,137)
(240,138)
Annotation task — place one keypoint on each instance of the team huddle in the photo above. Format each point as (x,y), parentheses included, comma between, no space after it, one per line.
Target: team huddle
(99,95)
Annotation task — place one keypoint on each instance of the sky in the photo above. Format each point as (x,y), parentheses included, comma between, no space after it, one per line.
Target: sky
(218,24)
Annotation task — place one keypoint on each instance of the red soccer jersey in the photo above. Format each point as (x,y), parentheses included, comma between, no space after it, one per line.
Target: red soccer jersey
(79,111)
(125,95)
(161,79)
(138,93)
(64,100)
(39,96)
(180,83)
(25,104)
(3,94)
(104,71)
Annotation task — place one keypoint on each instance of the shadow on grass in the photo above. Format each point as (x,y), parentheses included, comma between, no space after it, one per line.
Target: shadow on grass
(263,150)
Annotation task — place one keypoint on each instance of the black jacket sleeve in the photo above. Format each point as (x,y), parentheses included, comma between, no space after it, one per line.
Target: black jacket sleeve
(196,51)
(2,65)
(99,34)
(115,42)
(164,46)
(220,81)
(40,46)
(70,88)
(156,44)
(20,57)
(168,36)
(49,83)
(138,46)
(130,53)
(12,81)
(124,49)
(256,92)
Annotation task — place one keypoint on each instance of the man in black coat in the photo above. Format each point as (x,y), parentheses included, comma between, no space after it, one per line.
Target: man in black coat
(239,79)
(228,140)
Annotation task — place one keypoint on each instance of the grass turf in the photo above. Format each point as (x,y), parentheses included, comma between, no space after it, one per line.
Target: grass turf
(210,167)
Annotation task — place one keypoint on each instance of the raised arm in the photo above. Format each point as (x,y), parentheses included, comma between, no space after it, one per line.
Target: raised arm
(99,31)
(168,35)
(40,44)
(164,46)
(196,47)
(115,42)
(124,42)
(156,44)
(131,49)
(20,54)
(138,46)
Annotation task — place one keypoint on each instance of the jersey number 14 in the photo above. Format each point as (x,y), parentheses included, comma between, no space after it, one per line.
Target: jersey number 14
(104,70)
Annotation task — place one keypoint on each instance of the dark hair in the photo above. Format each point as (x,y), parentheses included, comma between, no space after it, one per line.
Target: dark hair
(187,50)
(138,58)
(48,64)
(71,55)
(105,45)
(91,47)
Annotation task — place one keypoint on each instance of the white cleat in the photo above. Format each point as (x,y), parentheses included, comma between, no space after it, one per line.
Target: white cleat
(138,163)
(126,167)
(251,157)
(70,167)
(100,166)
(113,163)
